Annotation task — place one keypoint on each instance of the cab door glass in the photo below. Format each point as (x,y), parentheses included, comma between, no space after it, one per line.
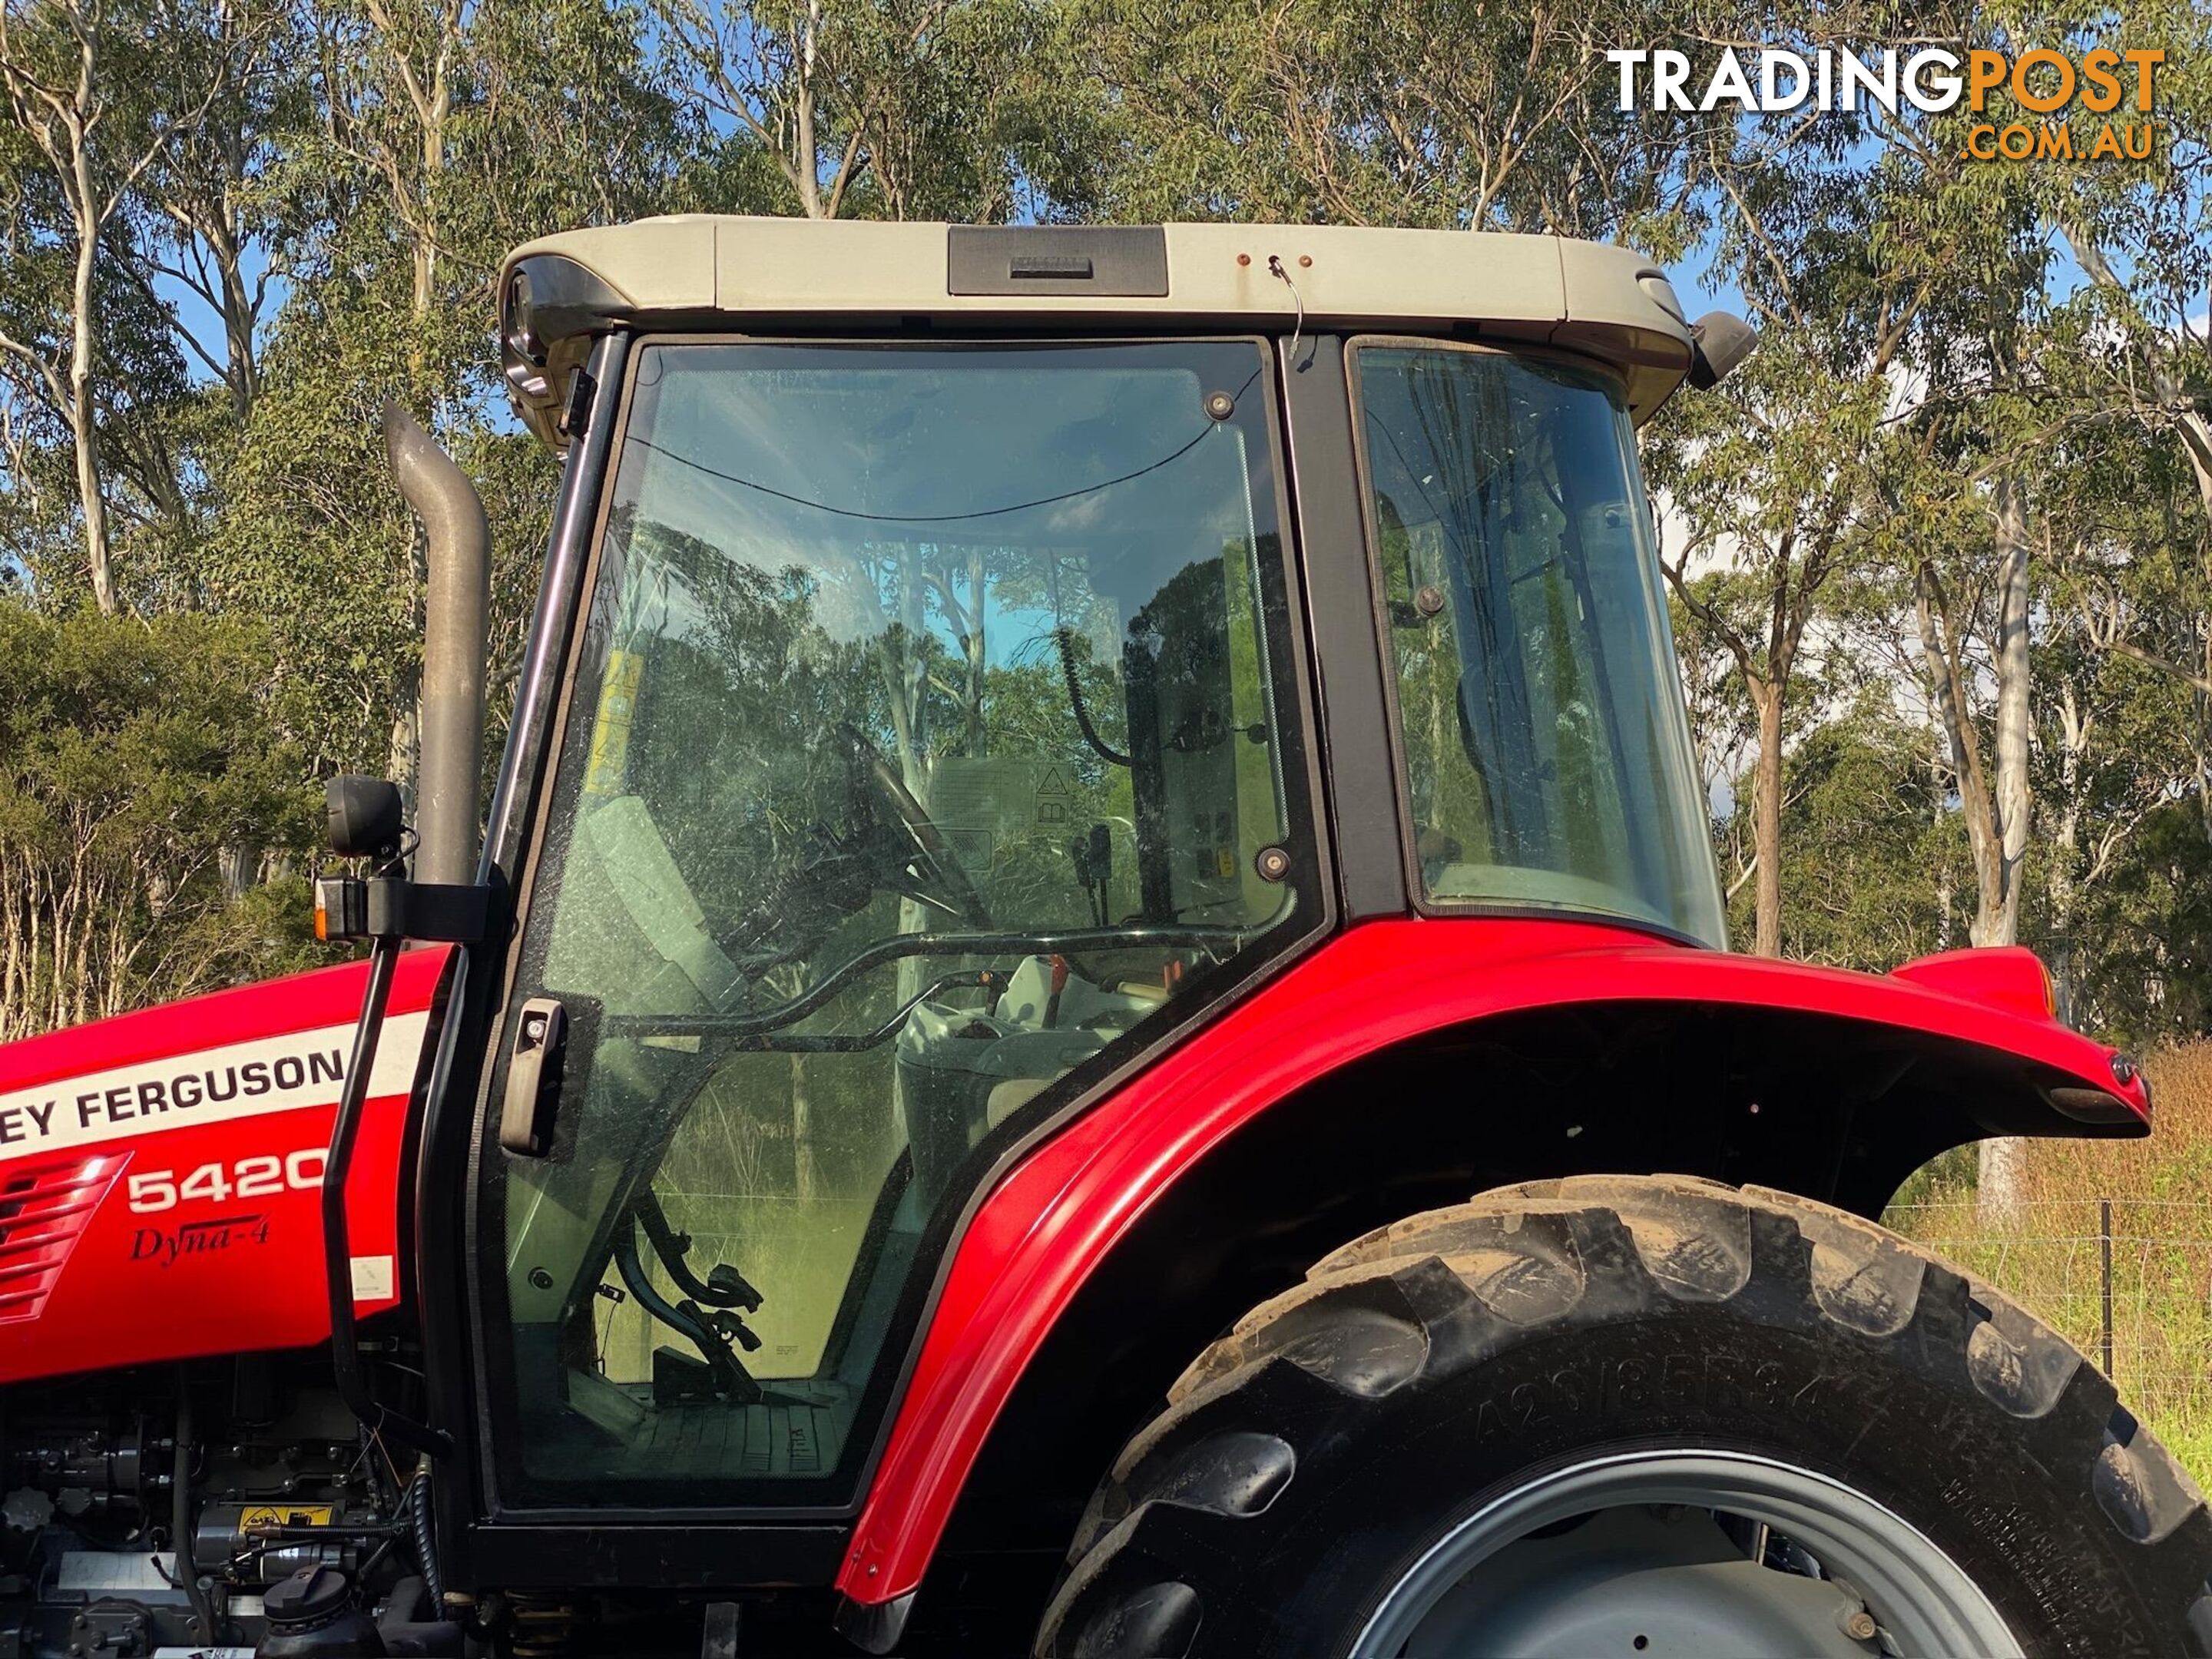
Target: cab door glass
(929,729)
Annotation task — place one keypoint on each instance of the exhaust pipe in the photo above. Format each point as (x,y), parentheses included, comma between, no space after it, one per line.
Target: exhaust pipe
(456,622)
(456,612)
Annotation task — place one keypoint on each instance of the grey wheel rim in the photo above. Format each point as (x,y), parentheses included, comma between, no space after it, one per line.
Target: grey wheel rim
(1627,1564)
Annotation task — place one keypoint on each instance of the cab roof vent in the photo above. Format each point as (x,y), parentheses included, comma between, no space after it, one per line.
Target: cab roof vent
(1125,262)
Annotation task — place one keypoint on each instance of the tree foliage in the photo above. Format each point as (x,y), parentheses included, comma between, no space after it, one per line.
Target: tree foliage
(135,755)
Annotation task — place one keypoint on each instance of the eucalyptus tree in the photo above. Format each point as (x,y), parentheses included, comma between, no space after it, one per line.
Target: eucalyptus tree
(2139,231)
(2124,705)
(215,220)
(1418,112)
(139,401)
(1767,478)
(2018,372)
(892,109)
(94,91)
(440,135)
(2134,363)
(1984,513)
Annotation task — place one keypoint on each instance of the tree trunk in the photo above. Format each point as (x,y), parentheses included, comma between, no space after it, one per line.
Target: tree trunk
(242,369)
(2204,772)
(2059,950)
(2001,1194)
(85,437)
(404,762)
(84,418)
(237,863)
(805,172)
(2074,729)
(1998,914)
(245,371)
(1766,820)
(1947,692)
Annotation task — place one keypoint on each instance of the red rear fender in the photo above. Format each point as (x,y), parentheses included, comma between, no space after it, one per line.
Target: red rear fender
(1056,1215)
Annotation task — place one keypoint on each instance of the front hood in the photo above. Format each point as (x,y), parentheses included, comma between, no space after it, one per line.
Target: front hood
(160,1171)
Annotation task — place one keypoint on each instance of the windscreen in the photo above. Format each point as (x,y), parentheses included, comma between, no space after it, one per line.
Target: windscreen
(1540,718)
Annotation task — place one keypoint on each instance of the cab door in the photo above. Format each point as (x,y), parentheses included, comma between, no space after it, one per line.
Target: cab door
(935,747)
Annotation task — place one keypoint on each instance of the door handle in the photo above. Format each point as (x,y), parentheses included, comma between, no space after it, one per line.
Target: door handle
(533,1078)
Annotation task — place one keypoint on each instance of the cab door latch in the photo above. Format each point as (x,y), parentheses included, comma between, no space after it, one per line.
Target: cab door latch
(533,1078)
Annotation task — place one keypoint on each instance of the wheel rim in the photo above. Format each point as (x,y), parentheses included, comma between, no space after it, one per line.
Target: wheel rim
(1626,1561)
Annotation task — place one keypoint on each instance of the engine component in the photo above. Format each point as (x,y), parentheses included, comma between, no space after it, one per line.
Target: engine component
(262,1478)
(314,1614)
(261,1543)
(93,1470)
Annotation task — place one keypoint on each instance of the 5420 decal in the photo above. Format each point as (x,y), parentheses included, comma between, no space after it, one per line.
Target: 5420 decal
(261,1176)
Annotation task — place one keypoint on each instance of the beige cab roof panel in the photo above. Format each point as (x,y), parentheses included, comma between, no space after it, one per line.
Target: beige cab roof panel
(704,270)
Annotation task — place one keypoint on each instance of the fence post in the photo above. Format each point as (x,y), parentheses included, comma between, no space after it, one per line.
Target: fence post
(2104,1275)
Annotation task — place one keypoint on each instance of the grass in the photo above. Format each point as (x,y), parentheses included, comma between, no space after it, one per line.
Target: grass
(2048,1254)
(776,1171)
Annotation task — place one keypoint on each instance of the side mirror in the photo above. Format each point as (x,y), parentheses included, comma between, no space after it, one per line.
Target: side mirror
(361,817)
(1718,343)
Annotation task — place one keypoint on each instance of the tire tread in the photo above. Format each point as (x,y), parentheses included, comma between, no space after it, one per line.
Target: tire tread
(1369,1318)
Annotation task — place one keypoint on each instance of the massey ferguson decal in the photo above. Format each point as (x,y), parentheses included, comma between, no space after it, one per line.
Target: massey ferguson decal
(240,1079)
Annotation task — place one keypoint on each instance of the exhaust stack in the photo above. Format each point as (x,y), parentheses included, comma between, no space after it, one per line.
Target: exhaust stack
(456,619)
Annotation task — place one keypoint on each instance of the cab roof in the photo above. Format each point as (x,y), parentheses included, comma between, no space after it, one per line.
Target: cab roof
(760,275)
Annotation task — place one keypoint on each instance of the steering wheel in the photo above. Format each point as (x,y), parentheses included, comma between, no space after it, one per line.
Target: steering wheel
(928,854)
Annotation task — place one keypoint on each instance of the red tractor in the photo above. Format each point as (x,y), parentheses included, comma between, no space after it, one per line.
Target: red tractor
(1096,914)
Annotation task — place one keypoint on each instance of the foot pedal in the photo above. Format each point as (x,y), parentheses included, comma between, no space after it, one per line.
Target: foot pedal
(725,1631)
(678,1379)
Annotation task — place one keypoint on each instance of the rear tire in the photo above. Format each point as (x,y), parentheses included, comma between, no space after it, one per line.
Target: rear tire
(1311,1462)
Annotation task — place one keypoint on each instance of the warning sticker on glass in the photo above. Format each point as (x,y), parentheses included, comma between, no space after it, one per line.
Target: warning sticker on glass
(988,807)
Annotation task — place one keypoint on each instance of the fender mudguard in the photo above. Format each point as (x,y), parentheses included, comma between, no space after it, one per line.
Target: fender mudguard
(161,1172)
(1063,1205)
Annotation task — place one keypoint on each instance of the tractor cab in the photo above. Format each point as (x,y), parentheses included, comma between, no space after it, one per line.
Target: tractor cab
(940,740)
(1095,920)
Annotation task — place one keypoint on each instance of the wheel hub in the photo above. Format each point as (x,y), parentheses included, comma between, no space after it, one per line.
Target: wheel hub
(1645,1555)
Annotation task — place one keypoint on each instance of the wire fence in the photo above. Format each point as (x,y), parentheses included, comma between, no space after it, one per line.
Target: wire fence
(2128,1280)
